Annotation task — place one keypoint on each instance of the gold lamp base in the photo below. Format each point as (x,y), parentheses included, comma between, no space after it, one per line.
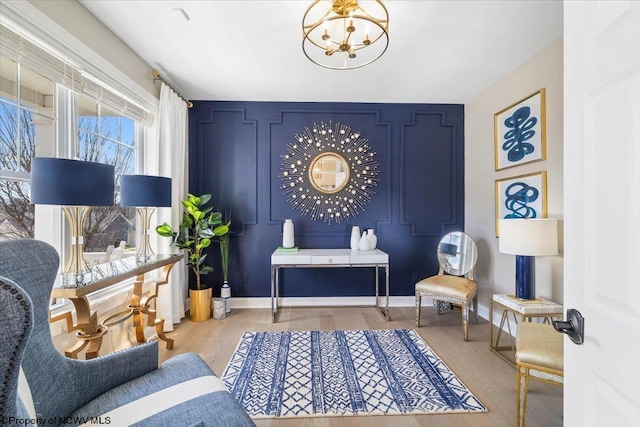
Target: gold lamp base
(144,253)
(76,272)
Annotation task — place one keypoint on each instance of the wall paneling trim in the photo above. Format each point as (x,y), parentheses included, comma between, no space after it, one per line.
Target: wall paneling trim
(235,151)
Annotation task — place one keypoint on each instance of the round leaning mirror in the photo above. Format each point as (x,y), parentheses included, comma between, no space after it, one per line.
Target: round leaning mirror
(329,173)
(457,253)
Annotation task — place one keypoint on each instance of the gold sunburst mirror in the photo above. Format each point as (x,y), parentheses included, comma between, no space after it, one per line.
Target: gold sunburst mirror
(329,172)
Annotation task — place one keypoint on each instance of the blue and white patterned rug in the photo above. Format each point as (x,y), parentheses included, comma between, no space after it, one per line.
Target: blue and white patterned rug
(329,373)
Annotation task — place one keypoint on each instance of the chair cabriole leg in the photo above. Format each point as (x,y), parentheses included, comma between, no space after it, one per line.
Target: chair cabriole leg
(475,308)
(465,320)
(522,391)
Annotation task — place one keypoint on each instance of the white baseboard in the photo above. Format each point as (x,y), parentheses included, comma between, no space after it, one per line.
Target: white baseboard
(265,302)
(394,301)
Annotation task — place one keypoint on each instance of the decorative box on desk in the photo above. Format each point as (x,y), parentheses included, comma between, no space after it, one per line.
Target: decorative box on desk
(327,258)
(520,309)
(89,330)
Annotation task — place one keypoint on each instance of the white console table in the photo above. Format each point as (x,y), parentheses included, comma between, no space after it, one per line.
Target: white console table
(329,258)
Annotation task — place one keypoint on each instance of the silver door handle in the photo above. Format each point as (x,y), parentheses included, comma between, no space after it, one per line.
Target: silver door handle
(573,326)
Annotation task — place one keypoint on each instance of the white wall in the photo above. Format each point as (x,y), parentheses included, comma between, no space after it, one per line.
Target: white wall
(495,272)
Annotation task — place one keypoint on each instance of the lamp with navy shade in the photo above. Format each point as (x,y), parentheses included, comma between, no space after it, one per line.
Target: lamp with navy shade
(527,238)
(145,193)
(75,185)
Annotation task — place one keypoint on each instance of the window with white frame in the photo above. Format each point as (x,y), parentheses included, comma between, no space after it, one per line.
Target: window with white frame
(51,107)
(105,136)
(27,127)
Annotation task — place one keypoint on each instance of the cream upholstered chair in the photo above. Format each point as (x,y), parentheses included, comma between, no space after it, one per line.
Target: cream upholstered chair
(539,355)
(457,254)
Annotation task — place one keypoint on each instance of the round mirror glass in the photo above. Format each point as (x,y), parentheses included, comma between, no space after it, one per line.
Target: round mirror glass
(457,253)
(329,173)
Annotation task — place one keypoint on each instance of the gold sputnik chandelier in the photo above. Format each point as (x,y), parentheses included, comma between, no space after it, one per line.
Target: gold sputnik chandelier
(345,34)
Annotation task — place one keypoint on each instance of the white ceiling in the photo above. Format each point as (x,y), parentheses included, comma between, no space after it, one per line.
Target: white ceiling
(439,51)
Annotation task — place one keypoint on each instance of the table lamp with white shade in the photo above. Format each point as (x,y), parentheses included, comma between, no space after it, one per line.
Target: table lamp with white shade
(75,185)
(527,238)
(145,193)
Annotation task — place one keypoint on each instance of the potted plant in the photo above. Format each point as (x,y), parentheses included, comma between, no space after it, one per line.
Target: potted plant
(198,227)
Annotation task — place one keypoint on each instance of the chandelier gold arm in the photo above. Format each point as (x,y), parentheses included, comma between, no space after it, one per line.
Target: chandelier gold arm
(343,29)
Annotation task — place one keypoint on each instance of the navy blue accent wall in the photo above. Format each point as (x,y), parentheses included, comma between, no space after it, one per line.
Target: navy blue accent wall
(235,151)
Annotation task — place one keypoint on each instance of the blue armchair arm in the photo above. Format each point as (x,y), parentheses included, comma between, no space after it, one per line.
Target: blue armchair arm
(94,377)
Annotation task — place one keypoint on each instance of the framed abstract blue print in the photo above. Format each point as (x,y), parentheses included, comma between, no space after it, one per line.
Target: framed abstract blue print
(523,197)
(520,132)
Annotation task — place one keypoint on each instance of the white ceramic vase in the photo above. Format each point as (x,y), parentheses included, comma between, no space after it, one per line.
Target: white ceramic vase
(373,239)
(364,242)
(287,234)
(355,238)
(225,294)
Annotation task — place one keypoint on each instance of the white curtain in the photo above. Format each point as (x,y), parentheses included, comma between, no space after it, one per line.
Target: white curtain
(167,156)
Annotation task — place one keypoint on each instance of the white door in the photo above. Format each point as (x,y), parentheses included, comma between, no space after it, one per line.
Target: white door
(602,210)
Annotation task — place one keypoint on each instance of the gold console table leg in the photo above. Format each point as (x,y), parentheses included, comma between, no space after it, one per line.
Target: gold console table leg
(88,331)
(143,306)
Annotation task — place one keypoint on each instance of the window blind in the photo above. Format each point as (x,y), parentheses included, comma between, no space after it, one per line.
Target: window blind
(63,70)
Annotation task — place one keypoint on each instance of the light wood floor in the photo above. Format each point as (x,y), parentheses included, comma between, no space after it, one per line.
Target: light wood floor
(489,377)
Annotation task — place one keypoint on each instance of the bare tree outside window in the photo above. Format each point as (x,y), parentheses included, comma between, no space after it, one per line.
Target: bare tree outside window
(16,213)
(97,143)
(109,140)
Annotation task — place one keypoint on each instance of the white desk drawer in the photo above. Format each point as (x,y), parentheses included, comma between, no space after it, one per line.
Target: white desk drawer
(290,259)
(330,259)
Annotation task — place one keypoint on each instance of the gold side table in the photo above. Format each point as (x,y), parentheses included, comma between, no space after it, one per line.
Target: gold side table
(523,310)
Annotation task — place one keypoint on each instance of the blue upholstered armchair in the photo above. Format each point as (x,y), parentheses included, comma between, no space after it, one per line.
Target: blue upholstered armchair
(124,388)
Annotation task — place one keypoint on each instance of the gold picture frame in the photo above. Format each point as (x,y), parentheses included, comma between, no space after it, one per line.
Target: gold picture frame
(522,196)
(520,132)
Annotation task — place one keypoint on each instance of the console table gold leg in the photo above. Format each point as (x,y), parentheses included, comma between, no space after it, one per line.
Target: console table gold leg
(151,316)
(67,317)
(93,348)
(76,349)
(138,308)
(140,335)
(89,332)
(141,305)
(116,318)
(160,331)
